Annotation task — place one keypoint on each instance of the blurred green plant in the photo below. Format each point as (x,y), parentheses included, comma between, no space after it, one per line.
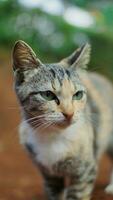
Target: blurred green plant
(54,37)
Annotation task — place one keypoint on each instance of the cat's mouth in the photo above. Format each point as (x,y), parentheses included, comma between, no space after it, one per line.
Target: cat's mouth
(44,124)
(64,123)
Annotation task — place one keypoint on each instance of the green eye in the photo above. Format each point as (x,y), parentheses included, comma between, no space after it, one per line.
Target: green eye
(78,95)
(49,96)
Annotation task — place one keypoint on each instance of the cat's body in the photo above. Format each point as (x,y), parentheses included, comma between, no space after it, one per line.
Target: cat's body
(67,130)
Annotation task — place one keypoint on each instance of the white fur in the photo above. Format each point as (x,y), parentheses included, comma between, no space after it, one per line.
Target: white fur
(52,147)
(109,188)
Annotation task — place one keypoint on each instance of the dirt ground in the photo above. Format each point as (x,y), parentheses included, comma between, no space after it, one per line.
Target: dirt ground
(19,179)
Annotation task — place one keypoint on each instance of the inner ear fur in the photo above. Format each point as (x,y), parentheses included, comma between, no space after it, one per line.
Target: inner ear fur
(79,58)
(24,57)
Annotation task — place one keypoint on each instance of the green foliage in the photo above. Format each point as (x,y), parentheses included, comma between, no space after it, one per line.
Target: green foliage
(53,38)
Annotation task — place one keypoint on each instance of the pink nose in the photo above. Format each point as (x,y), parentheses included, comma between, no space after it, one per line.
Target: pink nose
(68,116)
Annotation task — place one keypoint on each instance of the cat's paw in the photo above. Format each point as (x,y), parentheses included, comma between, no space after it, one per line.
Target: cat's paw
(109,189)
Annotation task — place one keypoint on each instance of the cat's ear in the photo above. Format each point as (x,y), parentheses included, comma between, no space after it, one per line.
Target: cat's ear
(79,59)
(24,57)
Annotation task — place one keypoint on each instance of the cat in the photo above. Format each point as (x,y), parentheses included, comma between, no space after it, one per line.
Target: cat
(67,117)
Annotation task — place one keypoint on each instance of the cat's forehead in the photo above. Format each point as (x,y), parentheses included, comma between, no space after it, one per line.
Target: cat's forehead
(61,73)
(57,72)
(55,77)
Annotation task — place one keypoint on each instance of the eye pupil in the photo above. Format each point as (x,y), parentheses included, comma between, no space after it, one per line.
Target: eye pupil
(48,93)
(49,96)
(78,95)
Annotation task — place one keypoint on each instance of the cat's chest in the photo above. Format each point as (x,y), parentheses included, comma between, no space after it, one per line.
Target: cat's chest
(49,150)
(48,153)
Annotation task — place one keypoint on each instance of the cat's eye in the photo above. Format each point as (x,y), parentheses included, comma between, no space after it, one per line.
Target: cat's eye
(49,96)
(78,95)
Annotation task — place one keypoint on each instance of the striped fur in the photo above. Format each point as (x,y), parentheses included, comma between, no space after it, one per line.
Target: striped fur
(65,136)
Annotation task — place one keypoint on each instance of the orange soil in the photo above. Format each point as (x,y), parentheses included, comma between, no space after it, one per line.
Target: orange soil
(19,179)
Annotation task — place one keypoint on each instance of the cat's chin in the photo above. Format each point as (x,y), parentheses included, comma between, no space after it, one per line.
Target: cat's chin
(57,127)
(64,124)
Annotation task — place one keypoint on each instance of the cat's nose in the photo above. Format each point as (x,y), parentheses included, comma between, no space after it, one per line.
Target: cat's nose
(68,116)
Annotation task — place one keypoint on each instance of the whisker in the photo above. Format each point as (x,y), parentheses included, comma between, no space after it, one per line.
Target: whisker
(32,118)
(40,126)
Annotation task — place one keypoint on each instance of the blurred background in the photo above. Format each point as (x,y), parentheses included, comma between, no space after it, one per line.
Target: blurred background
(53,28)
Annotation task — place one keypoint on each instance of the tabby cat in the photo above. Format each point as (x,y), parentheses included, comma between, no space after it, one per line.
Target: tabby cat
(67,117)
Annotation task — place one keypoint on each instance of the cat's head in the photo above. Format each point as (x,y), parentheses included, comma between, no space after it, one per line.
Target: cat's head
(51,95)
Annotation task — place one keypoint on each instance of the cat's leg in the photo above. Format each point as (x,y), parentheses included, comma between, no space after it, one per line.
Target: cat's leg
(53,187)
(109,188)
(79,192)
(81,186)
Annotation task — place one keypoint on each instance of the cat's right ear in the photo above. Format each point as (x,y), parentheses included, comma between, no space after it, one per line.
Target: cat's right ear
(78,59)
(24,57)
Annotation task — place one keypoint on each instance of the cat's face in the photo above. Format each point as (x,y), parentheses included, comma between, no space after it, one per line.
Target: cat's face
(51,95)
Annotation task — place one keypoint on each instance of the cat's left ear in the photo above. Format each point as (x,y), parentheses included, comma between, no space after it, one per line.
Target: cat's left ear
(24,57)
(79,59)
